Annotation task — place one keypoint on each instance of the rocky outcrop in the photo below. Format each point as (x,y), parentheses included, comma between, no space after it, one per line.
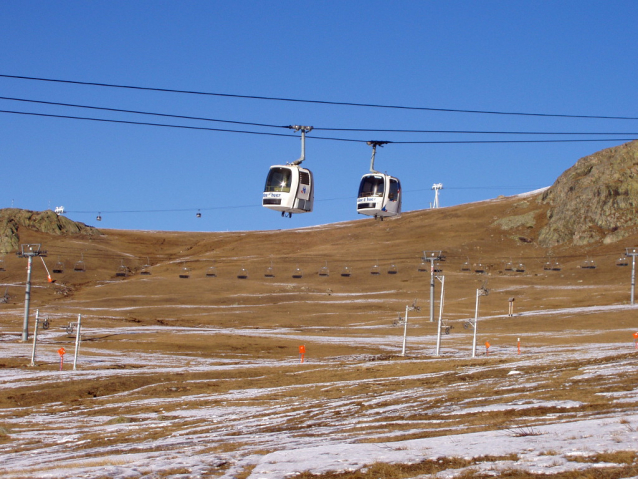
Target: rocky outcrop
(13,219)
(595,200)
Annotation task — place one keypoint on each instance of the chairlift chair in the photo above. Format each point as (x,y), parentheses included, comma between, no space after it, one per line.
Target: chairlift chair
(479,268)
(211,272)
(58,268)
(185,272)
(122,271)
(438,268)
(146,269)
(324,271)
(2,265)
(556,266)
(588,264)
(376,270)
(80,267)
(379,193)
(297,273)
(520,268)
(423,267)
(346,272)
(270,272)
(290,188)
(466,266)
(509,266)
(622,261)
(393,269)
(243,273)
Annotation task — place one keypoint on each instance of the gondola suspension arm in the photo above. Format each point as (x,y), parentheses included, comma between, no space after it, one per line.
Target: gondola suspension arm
(304,130)
(374,145)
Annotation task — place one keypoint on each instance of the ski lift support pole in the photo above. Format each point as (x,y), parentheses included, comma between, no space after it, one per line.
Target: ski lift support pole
(28,251)
(432,256)
(374,145)
(479,292)
(77,341)
(304,130)
(35,336)
(633,252)
(438,334)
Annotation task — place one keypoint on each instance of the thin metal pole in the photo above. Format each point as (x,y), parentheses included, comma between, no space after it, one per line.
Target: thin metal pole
(438,334)
(633,277)
(35,336)
(431,291)
(27,301)
(478,291)
(77,341)
(405,331)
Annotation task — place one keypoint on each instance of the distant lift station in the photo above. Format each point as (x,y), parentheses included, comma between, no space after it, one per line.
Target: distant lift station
(379,193)
(290,188)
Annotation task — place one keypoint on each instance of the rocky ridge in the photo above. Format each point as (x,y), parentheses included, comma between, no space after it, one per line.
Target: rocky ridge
(594,200)
(13,219)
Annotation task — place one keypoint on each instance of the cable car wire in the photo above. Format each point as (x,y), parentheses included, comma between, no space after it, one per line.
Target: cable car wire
(320,102)
(319,128)
(422,142)
(165,115)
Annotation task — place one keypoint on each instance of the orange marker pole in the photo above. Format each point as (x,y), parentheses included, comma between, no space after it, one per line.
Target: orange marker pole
(519,345)
(302,352)
(636,340)
(487,348)
(61,352)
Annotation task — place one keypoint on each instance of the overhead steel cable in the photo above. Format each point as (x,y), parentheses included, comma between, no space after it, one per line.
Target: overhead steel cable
(318,128)
(137,112)
(320,102)
(424,142)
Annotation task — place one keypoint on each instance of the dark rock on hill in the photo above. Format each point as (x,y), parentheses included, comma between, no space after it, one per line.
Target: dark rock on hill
(13,219)
(595,200)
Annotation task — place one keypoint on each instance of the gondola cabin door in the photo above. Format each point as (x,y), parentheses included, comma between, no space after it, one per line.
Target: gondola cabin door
(289,189)
(379,195)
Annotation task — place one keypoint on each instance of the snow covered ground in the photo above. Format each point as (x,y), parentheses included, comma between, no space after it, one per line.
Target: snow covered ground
(132,413)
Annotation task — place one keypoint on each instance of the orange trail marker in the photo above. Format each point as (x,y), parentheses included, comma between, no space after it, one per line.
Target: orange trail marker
(636,340)
(487,348)
(302,352)
(519,345)
(61,352)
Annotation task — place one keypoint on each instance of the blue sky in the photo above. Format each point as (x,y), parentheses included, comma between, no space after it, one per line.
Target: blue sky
(567,57)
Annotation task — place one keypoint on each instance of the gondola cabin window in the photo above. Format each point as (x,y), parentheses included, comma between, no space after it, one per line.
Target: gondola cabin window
(279,180)
(395,188)
(371,186)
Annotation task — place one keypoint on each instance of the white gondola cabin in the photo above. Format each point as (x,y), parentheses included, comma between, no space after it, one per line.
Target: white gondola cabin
(290,188)
(379,193)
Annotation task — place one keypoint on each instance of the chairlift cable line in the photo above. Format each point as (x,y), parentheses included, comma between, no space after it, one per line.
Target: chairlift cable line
(352,140)
(320,102)
(318,128)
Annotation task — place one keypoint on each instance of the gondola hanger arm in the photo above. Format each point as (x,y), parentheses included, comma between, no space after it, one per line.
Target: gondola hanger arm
(374,145)
(304,130)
